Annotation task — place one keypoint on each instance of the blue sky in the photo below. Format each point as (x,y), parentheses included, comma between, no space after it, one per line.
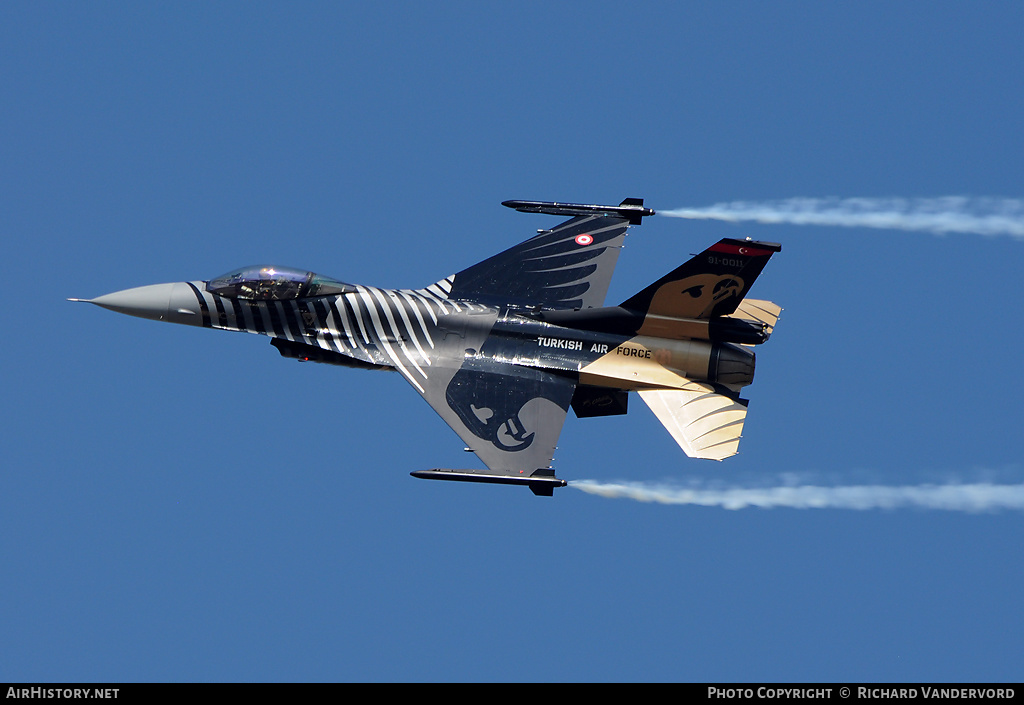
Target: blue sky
(185,505)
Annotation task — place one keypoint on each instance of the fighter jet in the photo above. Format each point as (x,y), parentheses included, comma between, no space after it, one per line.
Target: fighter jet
(503,349)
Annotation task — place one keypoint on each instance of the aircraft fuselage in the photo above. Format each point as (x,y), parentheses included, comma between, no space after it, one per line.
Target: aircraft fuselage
(502,349)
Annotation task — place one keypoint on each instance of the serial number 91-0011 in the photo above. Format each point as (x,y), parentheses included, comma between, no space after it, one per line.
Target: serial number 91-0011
(726,261)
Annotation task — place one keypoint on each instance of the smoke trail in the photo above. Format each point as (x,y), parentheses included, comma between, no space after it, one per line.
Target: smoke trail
(949,214)
(977,497)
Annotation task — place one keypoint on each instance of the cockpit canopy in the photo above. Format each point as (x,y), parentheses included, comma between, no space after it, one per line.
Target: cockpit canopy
(262,283)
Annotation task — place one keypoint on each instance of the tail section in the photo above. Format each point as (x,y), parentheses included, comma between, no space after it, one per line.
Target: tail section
(711,284)
(704,298)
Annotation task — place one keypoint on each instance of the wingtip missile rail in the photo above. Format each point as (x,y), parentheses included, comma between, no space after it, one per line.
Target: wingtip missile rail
(541,483)
(632,209)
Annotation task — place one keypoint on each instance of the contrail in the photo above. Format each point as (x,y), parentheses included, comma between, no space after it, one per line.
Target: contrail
(975,498)
(948,214)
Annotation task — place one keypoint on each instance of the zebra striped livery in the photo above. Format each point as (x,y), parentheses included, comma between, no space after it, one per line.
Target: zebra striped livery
(389,327)
(502,349)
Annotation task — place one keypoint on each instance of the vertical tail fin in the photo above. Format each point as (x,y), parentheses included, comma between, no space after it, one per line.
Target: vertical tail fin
(711,284)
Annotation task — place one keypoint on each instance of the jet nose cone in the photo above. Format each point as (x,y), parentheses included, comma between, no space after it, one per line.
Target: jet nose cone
(143,301)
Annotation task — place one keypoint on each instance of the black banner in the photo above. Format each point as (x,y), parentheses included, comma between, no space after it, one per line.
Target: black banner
(705,692)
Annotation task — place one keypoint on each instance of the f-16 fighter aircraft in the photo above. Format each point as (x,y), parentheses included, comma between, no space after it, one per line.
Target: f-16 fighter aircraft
(502,349)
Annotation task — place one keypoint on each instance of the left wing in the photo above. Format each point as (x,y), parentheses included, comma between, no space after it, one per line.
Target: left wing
(509,415)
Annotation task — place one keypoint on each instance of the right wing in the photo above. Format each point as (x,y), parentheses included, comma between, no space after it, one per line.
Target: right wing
(567,267)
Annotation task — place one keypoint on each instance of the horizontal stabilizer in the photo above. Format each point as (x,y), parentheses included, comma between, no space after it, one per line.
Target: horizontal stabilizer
(703,422)
(765,312)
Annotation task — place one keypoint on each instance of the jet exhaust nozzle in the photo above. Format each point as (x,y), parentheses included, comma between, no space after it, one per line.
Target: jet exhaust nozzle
(731,365)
